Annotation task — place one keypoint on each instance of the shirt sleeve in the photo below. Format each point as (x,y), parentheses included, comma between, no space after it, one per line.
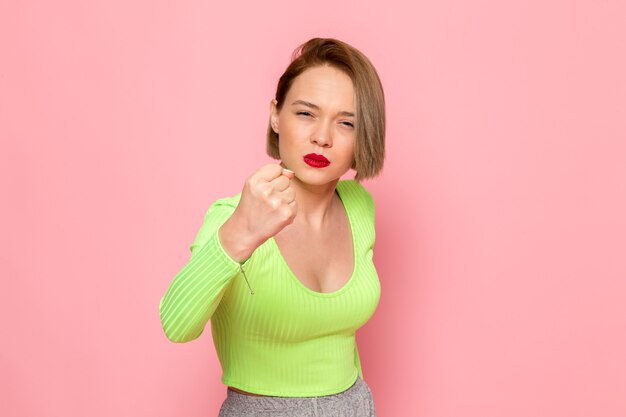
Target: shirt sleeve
(197,289)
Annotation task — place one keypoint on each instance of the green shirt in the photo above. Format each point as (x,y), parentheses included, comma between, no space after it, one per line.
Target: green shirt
(285,339)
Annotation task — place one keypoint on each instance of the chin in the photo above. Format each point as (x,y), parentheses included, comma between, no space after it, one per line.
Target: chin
(319,177)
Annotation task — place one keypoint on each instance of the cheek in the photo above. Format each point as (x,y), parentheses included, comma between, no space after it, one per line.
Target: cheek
(348,154)
(286,147)
(286,126)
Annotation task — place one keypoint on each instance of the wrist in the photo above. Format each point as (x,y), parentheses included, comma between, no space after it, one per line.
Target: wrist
(235,240)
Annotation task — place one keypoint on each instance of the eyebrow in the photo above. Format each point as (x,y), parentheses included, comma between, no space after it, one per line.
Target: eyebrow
(316,107)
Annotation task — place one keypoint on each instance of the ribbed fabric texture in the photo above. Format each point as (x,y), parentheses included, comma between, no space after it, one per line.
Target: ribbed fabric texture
(285,339)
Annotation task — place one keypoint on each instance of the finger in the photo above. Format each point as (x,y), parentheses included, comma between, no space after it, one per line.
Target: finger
(288,173)
(281,183)
(288,196)
(294,207)
(269,172)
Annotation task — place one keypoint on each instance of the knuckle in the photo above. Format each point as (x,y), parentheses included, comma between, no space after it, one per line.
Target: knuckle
(274,203)
(251,181)
(270,169)
(286,212)
(265,191)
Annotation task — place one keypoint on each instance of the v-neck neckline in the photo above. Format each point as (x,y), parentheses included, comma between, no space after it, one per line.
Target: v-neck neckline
(347,210)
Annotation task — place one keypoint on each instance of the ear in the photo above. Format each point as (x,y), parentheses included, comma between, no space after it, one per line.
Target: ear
(274,115)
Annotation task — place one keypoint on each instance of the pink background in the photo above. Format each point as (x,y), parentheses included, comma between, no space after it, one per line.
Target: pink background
(500,211)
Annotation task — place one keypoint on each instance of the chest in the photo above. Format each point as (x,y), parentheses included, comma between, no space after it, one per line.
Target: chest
(322,261)
(306,284)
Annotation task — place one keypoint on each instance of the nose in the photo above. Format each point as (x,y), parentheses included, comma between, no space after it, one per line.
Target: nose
(322,136)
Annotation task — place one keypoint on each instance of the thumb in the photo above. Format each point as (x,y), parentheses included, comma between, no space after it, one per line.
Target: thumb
(287,172)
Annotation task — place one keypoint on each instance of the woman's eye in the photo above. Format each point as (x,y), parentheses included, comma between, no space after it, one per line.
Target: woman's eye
(349,124)
(303,113)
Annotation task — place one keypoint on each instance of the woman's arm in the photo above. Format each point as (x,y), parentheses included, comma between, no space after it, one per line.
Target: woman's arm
(264,207)
(196,291)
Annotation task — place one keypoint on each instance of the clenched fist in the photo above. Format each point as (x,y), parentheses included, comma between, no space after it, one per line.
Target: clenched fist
(267,205)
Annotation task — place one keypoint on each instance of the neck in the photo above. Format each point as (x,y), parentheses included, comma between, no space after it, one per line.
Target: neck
(315,203)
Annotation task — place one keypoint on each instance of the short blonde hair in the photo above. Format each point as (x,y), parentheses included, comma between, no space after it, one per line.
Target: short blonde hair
(369,148)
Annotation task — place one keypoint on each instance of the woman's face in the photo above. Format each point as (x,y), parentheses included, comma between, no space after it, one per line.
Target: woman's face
(317,117)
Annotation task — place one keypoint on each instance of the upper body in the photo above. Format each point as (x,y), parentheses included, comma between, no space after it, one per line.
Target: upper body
(291,337)
(301,238)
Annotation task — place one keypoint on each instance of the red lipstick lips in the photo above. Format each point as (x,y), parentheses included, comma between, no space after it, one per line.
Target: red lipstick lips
(316,161)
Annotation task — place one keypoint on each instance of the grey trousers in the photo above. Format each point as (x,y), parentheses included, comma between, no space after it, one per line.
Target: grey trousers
(356,401)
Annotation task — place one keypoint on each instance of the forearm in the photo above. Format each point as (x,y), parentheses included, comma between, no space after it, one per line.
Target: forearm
(196,291)
(237,241)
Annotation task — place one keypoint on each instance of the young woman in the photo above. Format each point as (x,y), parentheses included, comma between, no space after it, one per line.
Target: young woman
(284,269)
